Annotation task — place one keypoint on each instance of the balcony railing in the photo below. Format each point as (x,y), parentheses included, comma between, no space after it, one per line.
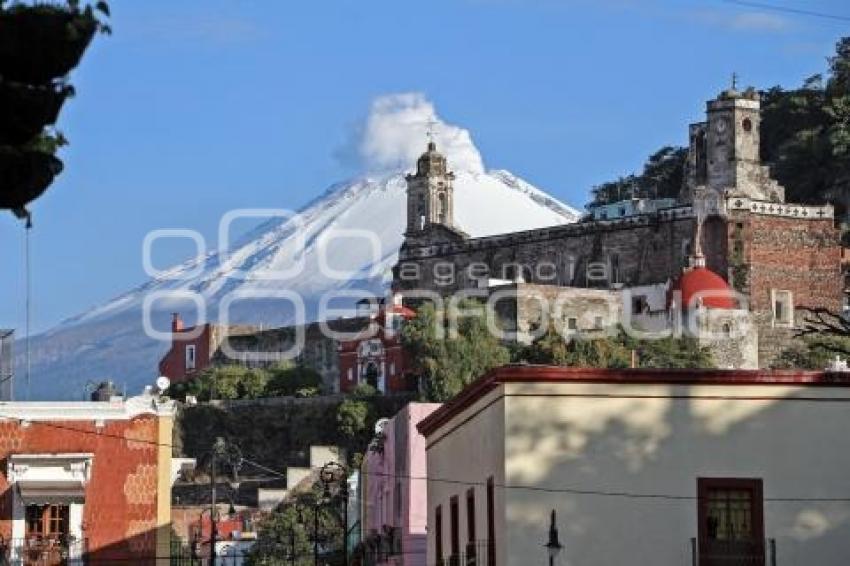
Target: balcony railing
(44,551)
(478,553)
(733,553)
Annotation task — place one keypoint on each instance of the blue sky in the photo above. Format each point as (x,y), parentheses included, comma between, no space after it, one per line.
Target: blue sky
(192,109)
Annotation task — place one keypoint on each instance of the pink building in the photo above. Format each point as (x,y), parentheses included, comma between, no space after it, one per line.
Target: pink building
(395,496)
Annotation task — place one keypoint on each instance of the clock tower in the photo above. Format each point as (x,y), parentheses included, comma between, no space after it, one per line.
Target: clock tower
(724,150)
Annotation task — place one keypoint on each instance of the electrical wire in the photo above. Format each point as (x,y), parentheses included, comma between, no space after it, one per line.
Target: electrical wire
(433,479)
(788,10)
(540,489)
(28,304)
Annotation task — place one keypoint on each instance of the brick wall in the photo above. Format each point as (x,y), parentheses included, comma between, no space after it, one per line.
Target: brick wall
(120,510)
(173,363)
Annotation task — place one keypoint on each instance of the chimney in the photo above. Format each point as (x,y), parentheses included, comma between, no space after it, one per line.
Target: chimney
(176,322)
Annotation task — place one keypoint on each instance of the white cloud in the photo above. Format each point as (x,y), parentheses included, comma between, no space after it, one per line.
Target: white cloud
(394,135)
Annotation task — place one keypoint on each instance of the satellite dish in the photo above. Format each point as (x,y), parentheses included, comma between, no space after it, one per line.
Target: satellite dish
(381,425)
(162,383)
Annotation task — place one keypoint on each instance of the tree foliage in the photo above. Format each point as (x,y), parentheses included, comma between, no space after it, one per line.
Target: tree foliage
(616,352)
(662,177)
(450,362)
(291,529)
(814,352)
(229,382)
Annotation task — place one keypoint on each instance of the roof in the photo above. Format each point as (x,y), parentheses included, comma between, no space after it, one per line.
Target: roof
(702,284)
(527,373)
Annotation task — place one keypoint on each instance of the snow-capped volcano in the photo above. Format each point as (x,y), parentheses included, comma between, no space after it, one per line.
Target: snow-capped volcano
(347,239)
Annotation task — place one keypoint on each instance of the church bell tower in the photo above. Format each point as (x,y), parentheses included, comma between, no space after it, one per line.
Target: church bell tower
(724,150)
(430,193)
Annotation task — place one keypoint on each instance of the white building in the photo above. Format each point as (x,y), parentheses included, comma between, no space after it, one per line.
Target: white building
(648,467)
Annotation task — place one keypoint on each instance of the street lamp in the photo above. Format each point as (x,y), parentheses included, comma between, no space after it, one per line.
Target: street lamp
(553,546)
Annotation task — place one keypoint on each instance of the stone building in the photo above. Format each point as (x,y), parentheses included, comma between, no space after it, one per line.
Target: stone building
(779,256)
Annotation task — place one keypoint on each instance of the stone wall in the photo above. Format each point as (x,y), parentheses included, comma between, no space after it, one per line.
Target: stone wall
(634,251)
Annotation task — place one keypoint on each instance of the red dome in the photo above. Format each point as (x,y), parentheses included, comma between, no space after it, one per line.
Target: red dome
(703,284)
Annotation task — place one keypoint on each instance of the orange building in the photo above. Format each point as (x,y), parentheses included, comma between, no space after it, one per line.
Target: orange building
(86,482)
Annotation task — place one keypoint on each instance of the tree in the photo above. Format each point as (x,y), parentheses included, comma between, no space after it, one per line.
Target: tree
(39,46)
(288,379)
(823,330)
(291,527)
(224,382)
(448,363)
(662,177)
(617,351)
(815,352)
(352,417)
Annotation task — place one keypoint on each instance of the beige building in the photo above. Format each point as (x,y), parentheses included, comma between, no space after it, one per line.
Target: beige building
(649,467)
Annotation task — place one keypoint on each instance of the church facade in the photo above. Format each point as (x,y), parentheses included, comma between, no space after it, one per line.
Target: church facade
(731,218)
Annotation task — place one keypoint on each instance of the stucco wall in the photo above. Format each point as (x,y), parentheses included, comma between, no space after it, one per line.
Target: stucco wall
(126,514)
(463,455)
(658,439)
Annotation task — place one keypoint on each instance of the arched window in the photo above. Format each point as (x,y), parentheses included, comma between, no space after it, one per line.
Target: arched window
(442,208)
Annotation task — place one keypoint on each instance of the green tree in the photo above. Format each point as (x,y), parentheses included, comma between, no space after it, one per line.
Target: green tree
(616,352)
(352,418)
(449,362)
(286,379)
(290,529)
(224,382)
(814,352)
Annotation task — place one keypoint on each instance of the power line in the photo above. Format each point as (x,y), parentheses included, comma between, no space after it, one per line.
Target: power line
(531,488)
(788,10)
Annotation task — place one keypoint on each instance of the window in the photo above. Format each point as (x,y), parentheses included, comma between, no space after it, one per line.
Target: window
(438,534)
(470,517)
(597,322)
(747,124)
(638,304)
(731,521)
(350,374)
(615,268)
(491,523)
(783,308)
(47,520)
(190,356)
(572,323)
(392,368)
(454,518)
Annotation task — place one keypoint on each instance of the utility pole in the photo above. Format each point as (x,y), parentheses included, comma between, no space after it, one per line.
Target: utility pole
(221,449)
(213,529)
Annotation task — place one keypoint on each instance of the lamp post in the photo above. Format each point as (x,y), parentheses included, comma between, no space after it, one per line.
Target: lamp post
(553,546)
